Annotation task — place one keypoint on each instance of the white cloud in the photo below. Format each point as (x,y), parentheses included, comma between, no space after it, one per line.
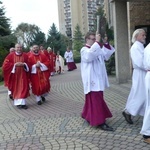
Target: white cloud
(39,12)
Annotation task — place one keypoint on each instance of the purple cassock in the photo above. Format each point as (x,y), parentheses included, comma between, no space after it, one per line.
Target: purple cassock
(95,110)
(71,66)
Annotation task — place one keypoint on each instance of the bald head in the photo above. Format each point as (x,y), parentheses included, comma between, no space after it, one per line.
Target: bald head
(12,49)
(18,48)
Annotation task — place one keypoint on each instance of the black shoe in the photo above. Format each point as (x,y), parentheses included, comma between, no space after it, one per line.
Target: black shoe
(43,99)
(127,117)
(39,103)
(105,127)
(19,106)
(24,106)
(146,136)
(10,96)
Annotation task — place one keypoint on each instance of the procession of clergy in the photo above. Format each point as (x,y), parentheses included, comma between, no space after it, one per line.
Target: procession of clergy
(35,68)
(31,71)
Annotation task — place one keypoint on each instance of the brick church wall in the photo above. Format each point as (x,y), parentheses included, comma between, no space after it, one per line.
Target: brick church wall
(139,13)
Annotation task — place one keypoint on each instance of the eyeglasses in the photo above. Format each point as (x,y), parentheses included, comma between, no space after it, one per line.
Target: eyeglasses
(93,39)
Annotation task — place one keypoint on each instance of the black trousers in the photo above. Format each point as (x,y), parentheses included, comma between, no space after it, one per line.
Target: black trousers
(146,136)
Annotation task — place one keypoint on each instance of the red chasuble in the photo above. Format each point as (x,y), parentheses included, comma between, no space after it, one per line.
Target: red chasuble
(40,80)
(45,52)
(16,82)
(52,57)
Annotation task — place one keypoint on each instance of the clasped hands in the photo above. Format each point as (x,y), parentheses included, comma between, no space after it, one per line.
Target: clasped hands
(38,64)
(19,64)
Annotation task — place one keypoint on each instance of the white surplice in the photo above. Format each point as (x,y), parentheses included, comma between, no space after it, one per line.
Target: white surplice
(59,62)
(146,121)
(93,70)
(136,100)
(69,56)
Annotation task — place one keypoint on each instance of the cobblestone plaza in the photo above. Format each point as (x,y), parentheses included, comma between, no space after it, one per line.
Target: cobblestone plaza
(57,124)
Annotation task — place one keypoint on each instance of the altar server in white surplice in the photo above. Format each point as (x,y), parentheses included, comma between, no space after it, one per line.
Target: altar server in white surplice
(69,59)
(145,131)
(136,100)
(95,80)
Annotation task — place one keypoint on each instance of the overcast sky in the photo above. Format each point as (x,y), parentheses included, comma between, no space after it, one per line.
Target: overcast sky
(39,12)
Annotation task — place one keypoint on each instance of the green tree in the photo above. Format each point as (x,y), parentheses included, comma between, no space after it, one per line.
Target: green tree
(26,33)
(65,41)
(54,39)
(110,34)
(78,39)
(77,43)
(7,39)
(4,22)
(6,42)
(39,39)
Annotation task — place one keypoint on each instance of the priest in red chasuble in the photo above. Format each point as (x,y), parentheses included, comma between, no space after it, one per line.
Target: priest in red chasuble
(52,57)
(39,65)
(15,70)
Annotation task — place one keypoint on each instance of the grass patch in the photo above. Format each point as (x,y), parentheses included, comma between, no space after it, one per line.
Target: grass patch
(2,83)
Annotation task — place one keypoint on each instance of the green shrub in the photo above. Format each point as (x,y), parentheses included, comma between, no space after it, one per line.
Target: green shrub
(3,54)
(110,65)
(1,75)
(77,57)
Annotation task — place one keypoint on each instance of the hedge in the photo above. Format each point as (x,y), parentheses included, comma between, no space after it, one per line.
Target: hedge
(1,75)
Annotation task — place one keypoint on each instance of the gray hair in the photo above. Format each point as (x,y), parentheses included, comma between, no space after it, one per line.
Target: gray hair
(136,33)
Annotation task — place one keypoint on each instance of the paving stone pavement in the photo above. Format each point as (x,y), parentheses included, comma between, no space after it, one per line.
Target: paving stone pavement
(57,125)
